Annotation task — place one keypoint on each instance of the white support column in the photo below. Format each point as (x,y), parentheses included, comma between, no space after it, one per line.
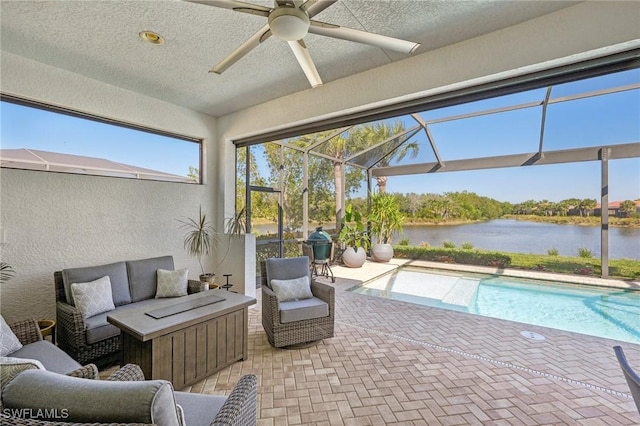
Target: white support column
(604,211)
(305,195)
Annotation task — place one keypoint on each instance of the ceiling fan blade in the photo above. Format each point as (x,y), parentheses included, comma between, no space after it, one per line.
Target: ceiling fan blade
(313,7)
(245,48)
(305,61)
(336,31)
(238,6)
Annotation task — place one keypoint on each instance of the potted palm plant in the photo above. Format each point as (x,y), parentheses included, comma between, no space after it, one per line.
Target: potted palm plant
(386,218)
(6,272)
(199,240)
(355,238)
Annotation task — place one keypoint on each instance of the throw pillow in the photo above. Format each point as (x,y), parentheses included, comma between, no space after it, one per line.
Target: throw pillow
(94,297)
(294,289)
(9,342)
(172,283)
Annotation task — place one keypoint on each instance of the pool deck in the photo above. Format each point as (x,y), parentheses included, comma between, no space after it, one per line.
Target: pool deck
(372,270)
(392,362)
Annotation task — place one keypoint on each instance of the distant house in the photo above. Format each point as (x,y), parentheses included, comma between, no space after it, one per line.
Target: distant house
(614,209)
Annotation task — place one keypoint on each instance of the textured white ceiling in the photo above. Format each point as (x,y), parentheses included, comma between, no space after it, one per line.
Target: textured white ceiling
(99,39)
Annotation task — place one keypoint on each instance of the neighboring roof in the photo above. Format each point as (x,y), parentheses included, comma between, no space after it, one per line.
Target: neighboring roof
(32,159)
(616,204)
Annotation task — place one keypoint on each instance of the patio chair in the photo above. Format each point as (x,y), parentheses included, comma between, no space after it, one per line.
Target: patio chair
(295,321)
(632,377)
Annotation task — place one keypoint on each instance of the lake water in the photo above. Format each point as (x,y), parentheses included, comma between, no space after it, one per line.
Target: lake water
(528,237)
(521,237)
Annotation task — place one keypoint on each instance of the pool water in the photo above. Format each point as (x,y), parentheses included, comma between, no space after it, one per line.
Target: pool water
(596,311)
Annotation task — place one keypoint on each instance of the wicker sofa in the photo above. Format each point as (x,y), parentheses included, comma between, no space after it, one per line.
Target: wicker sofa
(298,322)
(133,284)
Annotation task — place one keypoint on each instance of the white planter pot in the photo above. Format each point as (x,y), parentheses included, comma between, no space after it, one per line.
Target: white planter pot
(353,258)
(382,252)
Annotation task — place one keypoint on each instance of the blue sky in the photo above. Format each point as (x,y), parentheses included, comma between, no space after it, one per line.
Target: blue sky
(24,127)
(597,121)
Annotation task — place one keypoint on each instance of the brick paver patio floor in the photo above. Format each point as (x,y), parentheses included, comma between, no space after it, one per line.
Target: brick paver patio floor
(392,362)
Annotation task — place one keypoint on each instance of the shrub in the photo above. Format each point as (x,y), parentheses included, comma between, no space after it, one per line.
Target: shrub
(448,244)
(467,246)
(447,255)
(403,242)
(552,251)
(585,253)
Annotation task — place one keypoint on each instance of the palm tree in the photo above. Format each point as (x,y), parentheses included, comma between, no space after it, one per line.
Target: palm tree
(374,133)
(628,207)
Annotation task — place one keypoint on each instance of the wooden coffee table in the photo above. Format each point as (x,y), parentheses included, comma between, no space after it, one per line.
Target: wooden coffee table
(188,346)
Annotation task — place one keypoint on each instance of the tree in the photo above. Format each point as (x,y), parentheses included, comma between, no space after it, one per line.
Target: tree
(194,173)
(628,208)
(374,133)
(587,205)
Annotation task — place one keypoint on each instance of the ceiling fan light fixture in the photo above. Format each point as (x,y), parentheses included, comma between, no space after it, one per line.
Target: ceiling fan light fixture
(289,23)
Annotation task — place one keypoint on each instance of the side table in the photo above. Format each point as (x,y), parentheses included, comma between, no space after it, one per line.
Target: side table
(48,328)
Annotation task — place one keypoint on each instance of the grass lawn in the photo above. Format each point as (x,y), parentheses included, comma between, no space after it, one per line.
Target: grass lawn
(625,269)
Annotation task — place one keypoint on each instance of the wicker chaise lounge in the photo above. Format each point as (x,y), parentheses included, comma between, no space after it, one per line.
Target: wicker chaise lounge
(295,322)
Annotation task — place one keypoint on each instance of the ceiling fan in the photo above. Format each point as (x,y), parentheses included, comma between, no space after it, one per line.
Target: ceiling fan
(290,21)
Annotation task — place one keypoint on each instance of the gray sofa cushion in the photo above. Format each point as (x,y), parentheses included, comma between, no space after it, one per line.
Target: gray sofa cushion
(199,409)
(52,357)
(117,273)
(150,401)
(286,269)
(142,276)
(298,310)
(98,328)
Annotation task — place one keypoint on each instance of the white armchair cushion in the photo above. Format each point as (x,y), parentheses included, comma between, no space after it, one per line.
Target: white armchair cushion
(94,297)
(293,289)
(172,283)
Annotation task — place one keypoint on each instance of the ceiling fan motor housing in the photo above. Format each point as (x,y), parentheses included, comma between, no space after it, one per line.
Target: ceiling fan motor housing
(288,23)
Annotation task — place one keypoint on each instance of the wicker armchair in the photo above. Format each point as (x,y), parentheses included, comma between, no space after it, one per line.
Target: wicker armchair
(26,331)
(283,334)
(633,379)
(84,400)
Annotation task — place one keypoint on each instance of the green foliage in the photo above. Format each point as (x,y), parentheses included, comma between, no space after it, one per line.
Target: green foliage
(353,232)
(237,225)
(194,174)
(467,246)
(585,253)
(404,242)
(552,251)
(200,236)
(385,216)
(628,208)
(6,272)
(448,244)
(618,268)
(452,255)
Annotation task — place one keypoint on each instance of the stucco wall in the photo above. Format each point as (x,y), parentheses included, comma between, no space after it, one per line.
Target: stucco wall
(52,221)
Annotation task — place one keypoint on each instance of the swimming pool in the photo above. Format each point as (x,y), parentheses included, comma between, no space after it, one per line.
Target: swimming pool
(596,311)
